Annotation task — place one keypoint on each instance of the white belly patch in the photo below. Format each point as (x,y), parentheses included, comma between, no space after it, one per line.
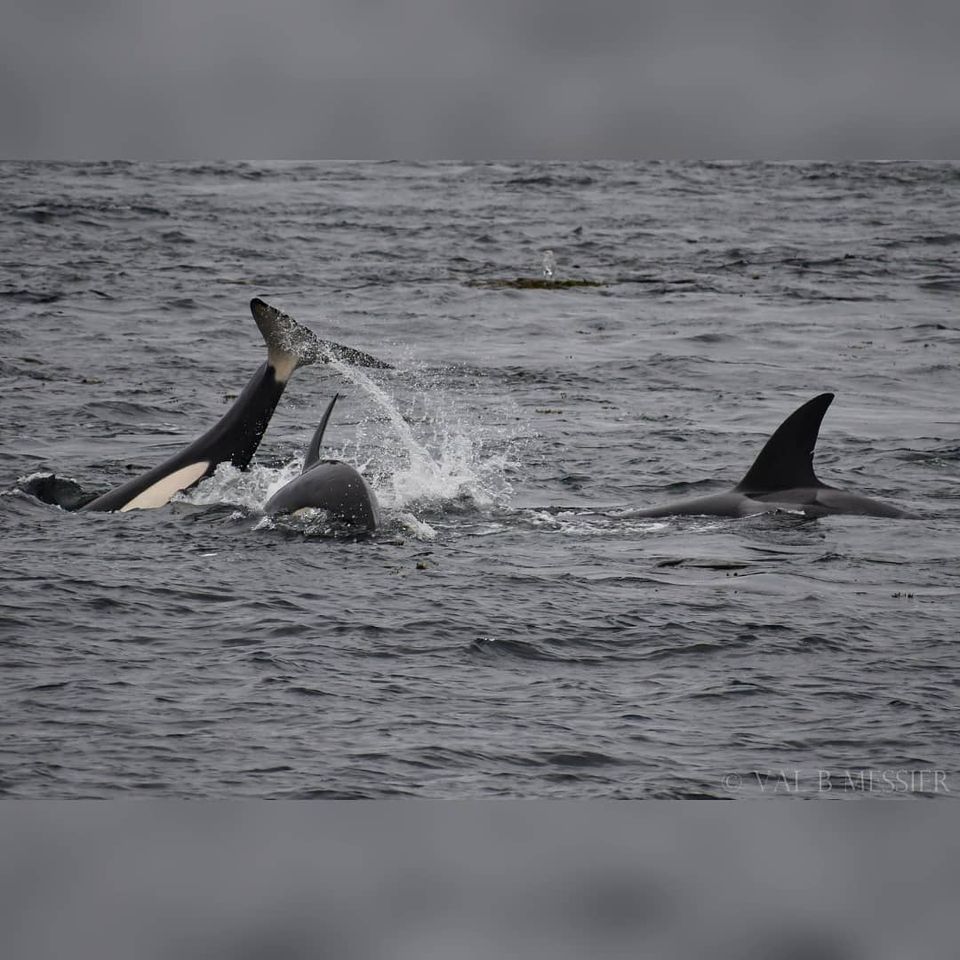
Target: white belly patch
(159,493)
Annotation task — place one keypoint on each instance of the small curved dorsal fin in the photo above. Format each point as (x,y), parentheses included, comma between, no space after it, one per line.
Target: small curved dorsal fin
(312,456)
(786,461)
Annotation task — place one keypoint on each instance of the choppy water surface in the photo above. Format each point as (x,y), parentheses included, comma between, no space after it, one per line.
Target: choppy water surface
(506,633)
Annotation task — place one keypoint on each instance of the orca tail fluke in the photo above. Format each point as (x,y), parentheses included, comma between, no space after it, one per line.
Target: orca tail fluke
(786,460)
(291,345)
(312,456)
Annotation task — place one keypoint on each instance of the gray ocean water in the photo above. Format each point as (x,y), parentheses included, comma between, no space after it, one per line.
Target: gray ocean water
(506,633)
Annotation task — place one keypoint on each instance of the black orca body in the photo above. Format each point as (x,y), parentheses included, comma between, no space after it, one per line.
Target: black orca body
(235,438)
(330,485)
(782,478)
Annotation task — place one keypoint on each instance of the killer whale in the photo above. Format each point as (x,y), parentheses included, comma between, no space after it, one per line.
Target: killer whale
(236,436)
(782,478)
(330,485)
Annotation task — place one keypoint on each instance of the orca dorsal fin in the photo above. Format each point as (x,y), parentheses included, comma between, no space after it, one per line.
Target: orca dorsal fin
(786,460)
(312,456)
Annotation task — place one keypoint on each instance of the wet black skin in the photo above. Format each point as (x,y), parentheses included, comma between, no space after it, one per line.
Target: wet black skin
(782,478)
(329,485)
(235,437)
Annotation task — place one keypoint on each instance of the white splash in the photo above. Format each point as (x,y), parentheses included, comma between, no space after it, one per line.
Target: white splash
(579,523)
(42,475)
(453,468)
(408,472)
(549,265)
(417,528)
(246,488)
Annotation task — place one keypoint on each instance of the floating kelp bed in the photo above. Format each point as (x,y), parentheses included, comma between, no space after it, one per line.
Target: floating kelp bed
(533,283)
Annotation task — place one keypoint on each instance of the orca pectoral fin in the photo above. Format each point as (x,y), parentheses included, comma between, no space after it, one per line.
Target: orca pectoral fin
(236,436)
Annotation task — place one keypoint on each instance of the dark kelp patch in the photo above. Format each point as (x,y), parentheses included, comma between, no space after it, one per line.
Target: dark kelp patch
(532,283)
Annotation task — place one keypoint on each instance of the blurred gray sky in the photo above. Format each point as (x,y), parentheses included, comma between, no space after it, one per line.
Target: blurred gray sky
(464,78)
(465,881)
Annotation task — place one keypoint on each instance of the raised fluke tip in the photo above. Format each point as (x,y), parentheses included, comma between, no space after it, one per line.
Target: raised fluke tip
(263,312)
(357,358)
(291,345)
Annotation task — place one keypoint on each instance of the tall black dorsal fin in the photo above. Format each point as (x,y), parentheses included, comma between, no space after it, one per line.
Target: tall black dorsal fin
(312,456)
(786,461)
